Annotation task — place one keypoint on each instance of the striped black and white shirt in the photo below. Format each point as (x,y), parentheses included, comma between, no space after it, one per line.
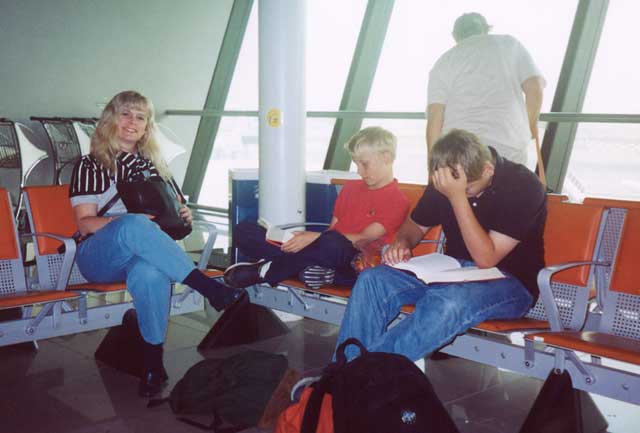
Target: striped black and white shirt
(92,183)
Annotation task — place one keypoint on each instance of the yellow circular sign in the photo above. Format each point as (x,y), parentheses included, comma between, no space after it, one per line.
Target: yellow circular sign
(274,118)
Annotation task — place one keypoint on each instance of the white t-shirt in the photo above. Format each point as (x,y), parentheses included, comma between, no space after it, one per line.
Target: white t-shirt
(479,82)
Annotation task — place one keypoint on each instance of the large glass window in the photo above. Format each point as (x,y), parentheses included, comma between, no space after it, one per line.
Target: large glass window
(332,33)
(236,147)
(604,162)
(243,91)
(420,32)
(604,159)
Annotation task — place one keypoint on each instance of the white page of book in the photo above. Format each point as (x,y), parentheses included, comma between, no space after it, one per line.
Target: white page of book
(432,268)
(429,263)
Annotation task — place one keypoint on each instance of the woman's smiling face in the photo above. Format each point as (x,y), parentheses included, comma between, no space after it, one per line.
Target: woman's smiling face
(131,124)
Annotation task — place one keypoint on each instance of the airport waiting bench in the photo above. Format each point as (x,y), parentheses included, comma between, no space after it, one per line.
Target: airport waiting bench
(14,291)
(581,249)
(74,304)
(611,346)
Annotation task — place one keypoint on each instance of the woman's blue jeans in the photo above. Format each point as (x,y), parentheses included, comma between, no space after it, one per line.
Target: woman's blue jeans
(133,249)
(443,310)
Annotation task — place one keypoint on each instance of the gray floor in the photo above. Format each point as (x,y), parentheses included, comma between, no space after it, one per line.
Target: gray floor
(61,388)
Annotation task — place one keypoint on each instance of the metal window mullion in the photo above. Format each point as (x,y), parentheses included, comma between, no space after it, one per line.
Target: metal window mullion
(566,116)
(216,97)
(572,87)
(361,73)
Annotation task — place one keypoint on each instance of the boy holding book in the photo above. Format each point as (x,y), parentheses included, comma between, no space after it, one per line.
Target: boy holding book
(492,212)
(367,210)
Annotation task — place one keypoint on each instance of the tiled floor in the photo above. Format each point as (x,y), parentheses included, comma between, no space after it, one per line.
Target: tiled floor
(61,388)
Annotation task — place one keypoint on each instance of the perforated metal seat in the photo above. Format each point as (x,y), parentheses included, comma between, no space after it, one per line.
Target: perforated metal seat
(49,211)
(572,235)
(14,292)
(615,213)
(617,336)
(64,144)
(18,157)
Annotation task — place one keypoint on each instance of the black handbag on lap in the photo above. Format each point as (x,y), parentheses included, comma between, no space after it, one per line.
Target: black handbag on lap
(155,197)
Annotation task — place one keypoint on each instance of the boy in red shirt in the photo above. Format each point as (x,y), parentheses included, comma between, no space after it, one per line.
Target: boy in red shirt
(366,210)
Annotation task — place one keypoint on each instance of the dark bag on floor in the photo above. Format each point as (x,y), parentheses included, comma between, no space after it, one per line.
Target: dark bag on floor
(374,393)
(155,197)
(230,392)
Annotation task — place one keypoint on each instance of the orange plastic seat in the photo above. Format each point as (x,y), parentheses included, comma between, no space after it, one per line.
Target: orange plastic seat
(571,234)
(618,334)
(611,203)
(24,299)
(50,211)
(594,343)
(98,287)
(14,291)
(212,273)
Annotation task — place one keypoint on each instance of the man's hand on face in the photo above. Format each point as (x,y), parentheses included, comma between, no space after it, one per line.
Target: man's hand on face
(449,182)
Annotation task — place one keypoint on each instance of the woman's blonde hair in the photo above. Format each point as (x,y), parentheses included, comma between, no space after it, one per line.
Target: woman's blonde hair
(104,142)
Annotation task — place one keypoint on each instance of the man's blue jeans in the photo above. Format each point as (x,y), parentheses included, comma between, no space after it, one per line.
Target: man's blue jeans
(443,310)
(133,249)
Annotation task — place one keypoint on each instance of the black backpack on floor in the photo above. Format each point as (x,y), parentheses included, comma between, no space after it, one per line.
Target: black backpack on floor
(377,393)
(231,393)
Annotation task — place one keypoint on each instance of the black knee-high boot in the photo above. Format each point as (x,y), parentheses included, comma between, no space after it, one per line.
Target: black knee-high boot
(154,376)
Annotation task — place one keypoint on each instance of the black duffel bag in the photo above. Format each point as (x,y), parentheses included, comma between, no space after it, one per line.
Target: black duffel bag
(155,197)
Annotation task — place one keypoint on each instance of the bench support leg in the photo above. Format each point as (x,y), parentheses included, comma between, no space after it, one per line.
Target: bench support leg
(561,408)
(243,323)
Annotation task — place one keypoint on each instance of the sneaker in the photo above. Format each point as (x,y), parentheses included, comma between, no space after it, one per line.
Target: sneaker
(314,277)
(243,275)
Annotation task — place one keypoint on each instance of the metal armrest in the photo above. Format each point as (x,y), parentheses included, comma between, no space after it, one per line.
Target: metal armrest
(291,225)
(544,284)
(207,250)
(67,259)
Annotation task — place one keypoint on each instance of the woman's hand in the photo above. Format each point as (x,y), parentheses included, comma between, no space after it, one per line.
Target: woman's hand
(186,214)
(299,241)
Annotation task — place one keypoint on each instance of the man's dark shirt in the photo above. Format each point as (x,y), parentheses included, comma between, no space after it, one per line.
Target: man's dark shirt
(514,205)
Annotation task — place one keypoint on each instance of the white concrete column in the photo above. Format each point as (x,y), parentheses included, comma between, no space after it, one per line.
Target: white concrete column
(282,30)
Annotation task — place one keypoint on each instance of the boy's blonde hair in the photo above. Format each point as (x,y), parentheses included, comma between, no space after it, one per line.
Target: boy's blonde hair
(460,147)
(375,138)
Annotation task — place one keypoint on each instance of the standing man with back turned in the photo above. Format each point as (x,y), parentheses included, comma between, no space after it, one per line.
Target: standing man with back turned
(478,86)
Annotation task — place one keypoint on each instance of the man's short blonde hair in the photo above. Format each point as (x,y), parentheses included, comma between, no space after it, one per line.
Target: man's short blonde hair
(460,147)
(375,138)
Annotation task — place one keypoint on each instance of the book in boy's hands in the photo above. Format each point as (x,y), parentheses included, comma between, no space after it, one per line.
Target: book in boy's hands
(275,235)
(438,268)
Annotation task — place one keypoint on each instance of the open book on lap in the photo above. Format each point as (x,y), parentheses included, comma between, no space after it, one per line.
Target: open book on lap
(439,268)
(275,235)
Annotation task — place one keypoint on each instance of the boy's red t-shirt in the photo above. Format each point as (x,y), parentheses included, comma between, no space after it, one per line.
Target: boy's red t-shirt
(357,207)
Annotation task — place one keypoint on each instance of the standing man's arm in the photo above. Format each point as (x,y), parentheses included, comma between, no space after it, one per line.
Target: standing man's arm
(532,88)
(435,120)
